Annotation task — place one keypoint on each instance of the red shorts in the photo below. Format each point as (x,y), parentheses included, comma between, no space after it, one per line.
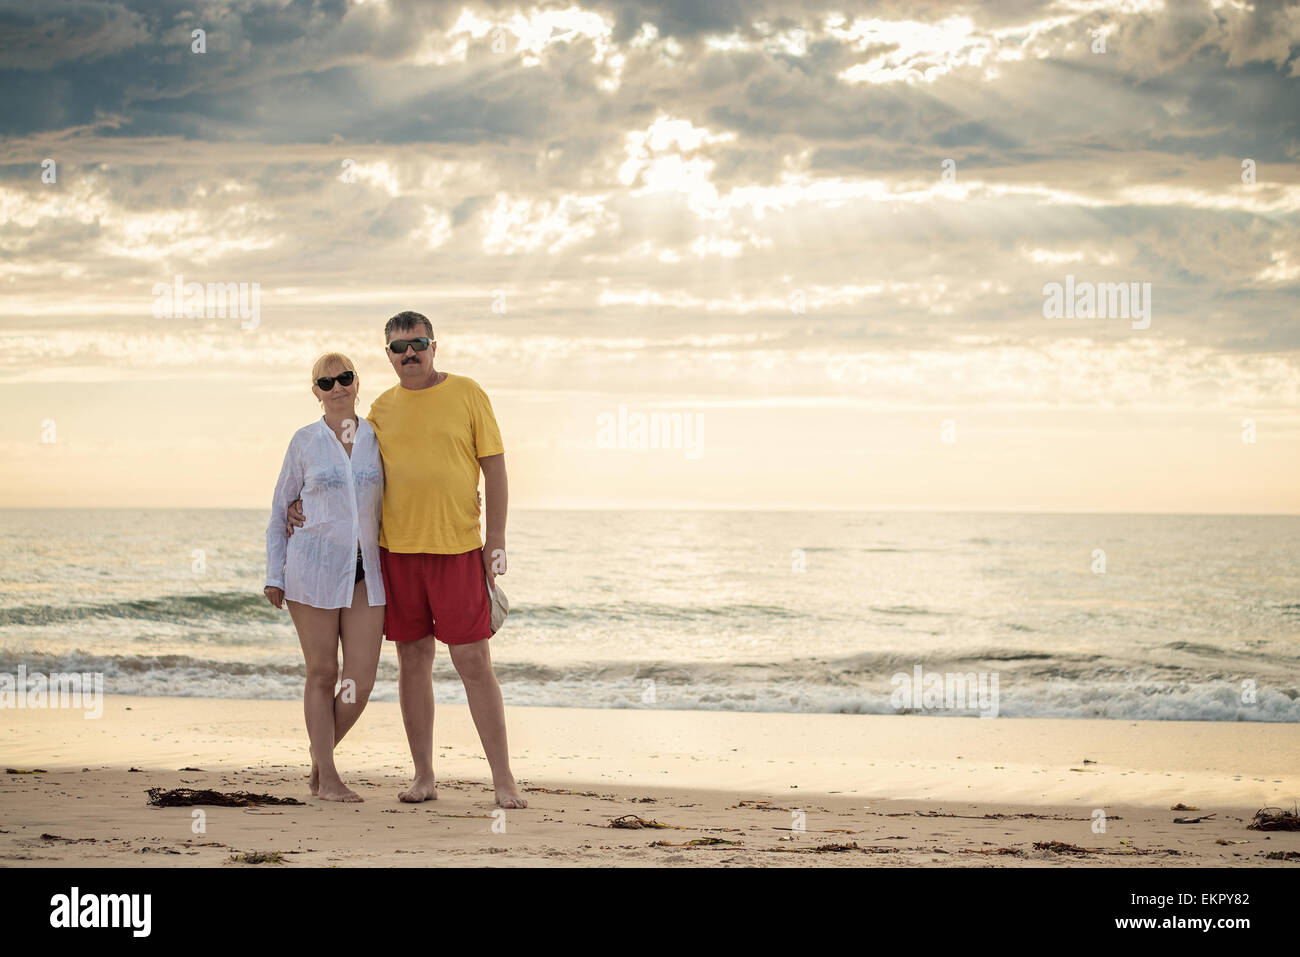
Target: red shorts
(441,595)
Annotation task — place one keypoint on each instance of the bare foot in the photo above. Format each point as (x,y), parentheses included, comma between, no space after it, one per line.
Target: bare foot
(341,792)
(314,781)
(422,790)
(508,795)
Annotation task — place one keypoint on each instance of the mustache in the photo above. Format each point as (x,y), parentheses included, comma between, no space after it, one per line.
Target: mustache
(414,359)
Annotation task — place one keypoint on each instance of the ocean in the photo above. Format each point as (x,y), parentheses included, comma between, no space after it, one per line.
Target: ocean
(1101,616)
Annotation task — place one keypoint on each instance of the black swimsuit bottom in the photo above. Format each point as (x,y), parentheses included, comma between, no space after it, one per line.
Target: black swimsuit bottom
(361,572)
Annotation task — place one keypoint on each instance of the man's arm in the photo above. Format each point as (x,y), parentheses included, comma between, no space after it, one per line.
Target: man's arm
(498,499)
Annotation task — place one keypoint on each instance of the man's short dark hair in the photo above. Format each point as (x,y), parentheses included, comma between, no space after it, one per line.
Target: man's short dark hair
(404,321)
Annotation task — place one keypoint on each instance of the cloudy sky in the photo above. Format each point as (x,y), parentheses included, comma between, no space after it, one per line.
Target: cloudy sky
(819,234)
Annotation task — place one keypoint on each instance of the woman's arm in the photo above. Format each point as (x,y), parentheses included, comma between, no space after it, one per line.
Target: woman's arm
(287,488)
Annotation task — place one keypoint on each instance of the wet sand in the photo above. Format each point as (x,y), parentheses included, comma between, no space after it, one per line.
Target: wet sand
(735,789)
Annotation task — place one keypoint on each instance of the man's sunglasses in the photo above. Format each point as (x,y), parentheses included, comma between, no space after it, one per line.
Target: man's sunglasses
(326,382)
(398,346)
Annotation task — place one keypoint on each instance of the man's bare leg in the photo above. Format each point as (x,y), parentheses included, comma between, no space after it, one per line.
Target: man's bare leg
(415,693)
(474,665)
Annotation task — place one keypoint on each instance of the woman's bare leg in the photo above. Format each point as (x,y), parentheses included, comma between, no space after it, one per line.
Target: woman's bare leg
(362,630)
(318,634)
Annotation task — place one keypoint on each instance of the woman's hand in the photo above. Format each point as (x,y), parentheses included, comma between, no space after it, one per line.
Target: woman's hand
(274,595)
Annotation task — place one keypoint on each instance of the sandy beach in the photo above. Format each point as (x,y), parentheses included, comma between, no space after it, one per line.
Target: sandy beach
(735,789)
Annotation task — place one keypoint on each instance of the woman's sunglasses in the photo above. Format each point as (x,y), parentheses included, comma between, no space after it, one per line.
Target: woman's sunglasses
(326,382)
(398,346)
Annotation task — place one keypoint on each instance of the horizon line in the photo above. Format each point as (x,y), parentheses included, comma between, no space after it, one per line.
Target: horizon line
(694,508)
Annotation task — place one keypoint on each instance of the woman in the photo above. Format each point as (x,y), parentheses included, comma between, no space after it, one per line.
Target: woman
(329,571)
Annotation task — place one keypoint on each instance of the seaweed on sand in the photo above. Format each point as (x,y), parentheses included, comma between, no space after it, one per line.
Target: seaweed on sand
(632,822)
(819,849)
(188,797)
(258,857)
(1275,819)
(1061,847)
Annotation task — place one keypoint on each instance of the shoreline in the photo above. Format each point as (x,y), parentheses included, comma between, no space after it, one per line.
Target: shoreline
(903,789)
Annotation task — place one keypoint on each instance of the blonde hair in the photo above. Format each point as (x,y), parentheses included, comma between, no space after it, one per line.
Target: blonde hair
(331,363)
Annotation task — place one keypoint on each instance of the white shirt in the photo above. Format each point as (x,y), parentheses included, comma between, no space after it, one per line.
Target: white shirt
(342,498)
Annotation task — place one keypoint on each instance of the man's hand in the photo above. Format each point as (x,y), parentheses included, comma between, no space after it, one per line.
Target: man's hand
(274,595)
(494,560)
(296,517)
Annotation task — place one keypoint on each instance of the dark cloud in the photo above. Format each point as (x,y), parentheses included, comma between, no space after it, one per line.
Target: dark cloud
(398,219)
(245,143)
(38,36)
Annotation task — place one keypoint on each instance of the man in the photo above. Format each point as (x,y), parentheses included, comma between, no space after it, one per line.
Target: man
(436,431)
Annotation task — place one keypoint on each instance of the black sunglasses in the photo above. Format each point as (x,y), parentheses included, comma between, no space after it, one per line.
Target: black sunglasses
(326,382)
(398,346)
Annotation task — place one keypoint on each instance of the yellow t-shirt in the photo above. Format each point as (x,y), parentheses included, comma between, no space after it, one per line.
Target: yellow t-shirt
(431,440)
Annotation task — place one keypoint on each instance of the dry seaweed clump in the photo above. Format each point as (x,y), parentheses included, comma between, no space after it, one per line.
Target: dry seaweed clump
(258,857)
(632,822)
(1275,819)
(189,797)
